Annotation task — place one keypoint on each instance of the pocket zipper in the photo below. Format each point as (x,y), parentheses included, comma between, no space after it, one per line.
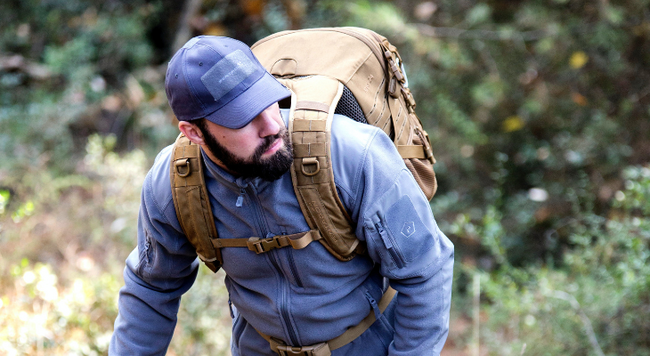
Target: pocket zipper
(389,243)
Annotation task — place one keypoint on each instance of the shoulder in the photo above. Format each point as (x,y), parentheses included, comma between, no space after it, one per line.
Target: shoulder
(156,190)
(357,146)
(361,152)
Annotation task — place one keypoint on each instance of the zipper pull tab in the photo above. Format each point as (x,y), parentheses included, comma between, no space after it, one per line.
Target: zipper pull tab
(373,304)
(240,198)
(384,235)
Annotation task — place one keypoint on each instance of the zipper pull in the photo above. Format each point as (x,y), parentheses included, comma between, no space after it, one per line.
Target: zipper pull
(240,198)
(373,304)
(383,235)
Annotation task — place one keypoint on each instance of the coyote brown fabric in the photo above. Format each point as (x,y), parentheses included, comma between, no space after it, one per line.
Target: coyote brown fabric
(370,67)
(192,202)
(314,100)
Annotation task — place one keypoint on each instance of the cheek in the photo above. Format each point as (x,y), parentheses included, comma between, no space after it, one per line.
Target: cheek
(243,146)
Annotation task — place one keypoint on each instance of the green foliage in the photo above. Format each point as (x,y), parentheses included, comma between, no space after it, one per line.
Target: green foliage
(596,303)
(79,228)
(4,200)
(73,75)
(534,109)
(538,113)
(40,315)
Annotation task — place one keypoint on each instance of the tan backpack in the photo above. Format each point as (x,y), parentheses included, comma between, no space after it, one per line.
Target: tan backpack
(352,71)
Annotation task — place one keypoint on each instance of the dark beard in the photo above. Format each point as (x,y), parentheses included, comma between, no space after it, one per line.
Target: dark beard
(269,169)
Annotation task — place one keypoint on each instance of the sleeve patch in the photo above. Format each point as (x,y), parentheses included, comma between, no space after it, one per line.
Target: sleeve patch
(409,233)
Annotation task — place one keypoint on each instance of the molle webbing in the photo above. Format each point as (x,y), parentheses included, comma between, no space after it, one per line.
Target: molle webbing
(314,101)
(192,202)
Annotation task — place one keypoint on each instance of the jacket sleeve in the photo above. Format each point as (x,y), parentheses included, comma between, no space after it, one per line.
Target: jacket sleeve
(157,273)
(402,236)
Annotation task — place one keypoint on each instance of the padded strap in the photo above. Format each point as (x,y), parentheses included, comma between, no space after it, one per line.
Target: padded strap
(314,102)
(326,348)
(192,202)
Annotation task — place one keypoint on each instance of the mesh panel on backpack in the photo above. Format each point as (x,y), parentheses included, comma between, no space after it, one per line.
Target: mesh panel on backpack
(349,106)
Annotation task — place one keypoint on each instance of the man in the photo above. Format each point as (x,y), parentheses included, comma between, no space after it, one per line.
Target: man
(228,104)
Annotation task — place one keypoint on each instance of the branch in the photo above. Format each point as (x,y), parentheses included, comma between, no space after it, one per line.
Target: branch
(18,62)
(585,320)
(184,32)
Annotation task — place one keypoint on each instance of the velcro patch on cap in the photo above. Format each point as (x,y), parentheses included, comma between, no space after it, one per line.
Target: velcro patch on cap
(227,74)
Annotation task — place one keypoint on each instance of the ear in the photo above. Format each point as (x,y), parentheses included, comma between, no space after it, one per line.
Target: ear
(191,131)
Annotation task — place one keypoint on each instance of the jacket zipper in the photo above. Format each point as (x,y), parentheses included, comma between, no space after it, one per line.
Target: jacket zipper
(292,267)
(282,305)
(390,243)
(240,198)
(284,311)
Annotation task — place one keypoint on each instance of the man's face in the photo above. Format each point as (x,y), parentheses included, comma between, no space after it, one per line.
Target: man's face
(260,149)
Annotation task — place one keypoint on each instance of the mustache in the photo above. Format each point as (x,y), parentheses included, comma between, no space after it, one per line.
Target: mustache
(268,142)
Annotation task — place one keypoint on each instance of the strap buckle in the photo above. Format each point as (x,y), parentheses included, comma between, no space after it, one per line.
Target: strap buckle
(321,349)
(258,245)
(426,143)
(408,97)
(394,69)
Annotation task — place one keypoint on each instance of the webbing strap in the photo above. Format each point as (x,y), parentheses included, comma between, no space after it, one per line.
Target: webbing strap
(312,105)
(326,348)
(192,202)
(258,245)
(314,101)
(411,151)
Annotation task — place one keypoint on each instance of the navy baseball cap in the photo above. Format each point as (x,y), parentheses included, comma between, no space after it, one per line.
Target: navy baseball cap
(219,78)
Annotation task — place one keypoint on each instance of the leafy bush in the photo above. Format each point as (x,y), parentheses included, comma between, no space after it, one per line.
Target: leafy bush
(79,229)
(597,303)
(534,109)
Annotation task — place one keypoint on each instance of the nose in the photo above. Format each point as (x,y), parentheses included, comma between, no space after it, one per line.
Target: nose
(267,122)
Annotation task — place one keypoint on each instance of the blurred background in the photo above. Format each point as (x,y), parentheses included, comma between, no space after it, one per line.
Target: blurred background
(538,112)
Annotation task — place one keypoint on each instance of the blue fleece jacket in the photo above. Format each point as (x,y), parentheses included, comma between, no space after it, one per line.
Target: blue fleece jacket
(307,296)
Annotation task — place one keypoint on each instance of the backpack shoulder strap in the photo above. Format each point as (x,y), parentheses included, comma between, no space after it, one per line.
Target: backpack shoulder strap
(194,213)
(313,106)
(192,202)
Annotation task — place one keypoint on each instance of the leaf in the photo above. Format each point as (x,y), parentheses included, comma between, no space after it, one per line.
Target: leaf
(4,200)
(578,59)
(579,99)
(512,123)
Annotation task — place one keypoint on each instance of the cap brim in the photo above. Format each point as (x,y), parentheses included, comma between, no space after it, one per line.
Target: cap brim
(245,107)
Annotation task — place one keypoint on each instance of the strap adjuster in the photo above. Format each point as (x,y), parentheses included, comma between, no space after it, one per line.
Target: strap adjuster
(321,349)
(258,245)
